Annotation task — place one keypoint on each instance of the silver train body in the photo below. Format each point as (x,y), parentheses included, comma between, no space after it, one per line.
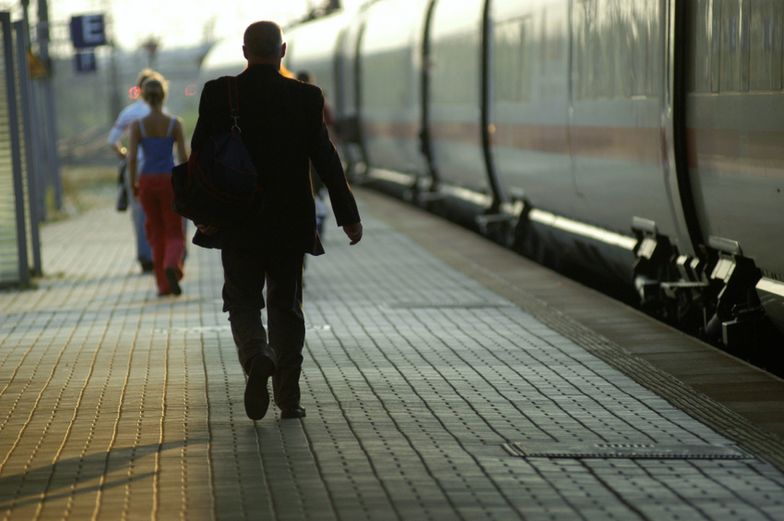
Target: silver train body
(640,138)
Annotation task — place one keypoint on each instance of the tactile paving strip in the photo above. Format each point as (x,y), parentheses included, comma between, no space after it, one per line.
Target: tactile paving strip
(658,451)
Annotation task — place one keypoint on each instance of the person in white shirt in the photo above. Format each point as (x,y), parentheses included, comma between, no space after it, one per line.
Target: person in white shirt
(133,112)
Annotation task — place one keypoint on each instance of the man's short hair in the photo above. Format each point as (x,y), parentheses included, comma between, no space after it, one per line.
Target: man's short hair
(146,74)
(263,39)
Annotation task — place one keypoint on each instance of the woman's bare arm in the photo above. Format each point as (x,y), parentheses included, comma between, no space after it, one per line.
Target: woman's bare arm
(179,140)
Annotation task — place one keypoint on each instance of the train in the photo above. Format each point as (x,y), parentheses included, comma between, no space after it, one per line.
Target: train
(640,140)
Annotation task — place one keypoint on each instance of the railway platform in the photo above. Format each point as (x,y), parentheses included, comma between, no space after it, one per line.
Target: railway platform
(445,378)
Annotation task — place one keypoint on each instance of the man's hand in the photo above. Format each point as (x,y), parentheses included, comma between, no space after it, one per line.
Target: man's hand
(207,229)
(354,232)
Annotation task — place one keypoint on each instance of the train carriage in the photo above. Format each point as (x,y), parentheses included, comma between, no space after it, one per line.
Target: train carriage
(638,137)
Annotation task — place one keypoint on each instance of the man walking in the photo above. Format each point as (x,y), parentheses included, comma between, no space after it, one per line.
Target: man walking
(283,129)
(136,110)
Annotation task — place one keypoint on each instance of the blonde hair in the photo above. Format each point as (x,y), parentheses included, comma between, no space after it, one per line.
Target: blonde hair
(146,74)
(154,91)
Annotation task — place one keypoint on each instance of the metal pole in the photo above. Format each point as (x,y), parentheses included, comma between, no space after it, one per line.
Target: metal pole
(16,160)
(41,163)
(26,117)
(115,104)
(34,145)
(26,21)
(50,113)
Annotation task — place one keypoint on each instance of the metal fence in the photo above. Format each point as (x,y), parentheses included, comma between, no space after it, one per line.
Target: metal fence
(23,159)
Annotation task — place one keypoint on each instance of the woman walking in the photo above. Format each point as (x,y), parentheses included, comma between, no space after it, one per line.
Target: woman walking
(157,134)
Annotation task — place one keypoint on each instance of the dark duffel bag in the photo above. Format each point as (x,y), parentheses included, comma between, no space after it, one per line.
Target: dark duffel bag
(218,184)
(121,203)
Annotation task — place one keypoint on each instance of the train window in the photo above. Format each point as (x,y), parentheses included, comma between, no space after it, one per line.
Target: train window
(543,45)
(641,27)
(587,56)
(767,37)
(619,42)
(701,32)
(546,48)
(614,47)
(511,61)
(734,46)
(453,67)
(386,79)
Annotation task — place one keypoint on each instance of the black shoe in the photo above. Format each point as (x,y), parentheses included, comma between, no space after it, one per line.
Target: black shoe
(285,384)
(174,284)
(292,413)
(256,394)
(146,266)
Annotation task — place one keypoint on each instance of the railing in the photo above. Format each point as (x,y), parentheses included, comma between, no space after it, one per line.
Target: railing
(23,156)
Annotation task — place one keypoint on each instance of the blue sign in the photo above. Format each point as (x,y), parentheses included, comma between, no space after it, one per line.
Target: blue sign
(85,62)
(88,31)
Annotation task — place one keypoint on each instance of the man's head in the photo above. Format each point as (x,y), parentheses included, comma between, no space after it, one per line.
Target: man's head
(146,74)
(263,43)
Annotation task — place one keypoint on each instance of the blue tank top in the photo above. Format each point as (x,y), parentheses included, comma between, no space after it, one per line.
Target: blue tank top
(158,153)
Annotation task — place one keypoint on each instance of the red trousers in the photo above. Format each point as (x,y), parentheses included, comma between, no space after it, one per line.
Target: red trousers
(163,226)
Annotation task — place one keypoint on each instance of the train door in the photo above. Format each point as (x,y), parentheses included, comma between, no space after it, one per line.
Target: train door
(345,109)
(390,95)
(455,101)
(486,127)
(349,126)
(425,132)
(676,165)
(616,131)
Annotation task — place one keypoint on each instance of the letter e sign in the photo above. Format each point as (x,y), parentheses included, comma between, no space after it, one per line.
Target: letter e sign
(87,31)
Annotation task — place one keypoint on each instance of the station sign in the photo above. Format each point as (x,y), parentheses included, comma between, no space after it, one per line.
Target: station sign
(88,31)
(84,62)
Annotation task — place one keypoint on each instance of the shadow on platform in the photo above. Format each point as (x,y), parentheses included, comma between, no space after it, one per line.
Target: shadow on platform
(62,478)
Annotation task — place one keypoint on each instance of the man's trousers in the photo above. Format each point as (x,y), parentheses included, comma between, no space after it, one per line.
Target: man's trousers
(245,274)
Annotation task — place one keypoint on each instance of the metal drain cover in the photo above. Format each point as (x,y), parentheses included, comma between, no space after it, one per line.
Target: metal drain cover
(600,450)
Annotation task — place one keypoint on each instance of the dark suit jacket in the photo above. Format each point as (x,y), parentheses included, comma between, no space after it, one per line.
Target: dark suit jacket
(283,129)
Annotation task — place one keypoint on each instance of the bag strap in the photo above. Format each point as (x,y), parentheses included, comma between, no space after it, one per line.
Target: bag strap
(234,104)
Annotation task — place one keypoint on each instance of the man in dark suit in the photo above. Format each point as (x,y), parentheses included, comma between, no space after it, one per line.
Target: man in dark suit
(283,129)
